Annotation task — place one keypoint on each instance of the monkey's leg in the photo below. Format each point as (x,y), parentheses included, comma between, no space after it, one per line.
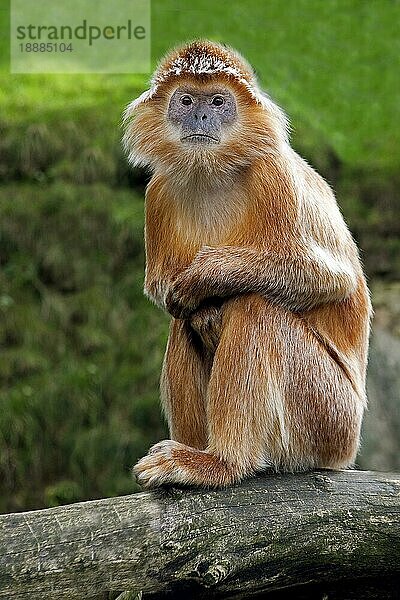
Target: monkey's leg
(275,399)
(183,386)
(236,411)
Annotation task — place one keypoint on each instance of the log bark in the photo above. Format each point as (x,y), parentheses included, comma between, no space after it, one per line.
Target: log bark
(314,535)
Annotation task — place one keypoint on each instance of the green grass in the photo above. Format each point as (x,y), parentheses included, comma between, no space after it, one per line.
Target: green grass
(81,346)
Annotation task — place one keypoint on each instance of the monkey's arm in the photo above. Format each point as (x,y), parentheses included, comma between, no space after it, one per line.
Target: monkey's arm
(297,281)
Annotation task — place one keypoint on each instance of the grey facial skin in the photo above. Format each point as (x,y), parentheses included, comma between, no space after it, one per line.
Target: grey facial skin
(201,115)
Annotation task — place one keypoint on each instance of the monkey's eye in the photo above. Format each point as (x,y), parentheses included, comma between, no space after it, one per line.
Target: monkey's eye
(186,100)
(218,100)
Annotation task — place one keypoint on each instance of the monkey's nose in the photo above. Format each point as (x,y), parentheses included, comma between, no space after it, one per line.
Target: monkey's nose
(203,117)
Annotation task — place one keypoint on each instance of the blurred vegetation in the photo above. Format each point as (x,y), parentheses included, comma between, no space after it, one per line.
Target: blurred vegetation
(81,348)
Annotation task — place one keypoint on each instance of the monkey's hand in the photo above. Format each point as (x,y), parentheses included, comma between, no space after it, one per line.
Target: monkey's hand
(207,322)
(184,295)
(204,278)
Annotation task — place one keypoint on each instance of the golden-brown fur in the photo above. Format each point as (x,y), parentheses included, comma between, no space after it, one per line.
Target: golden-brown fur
(246,248)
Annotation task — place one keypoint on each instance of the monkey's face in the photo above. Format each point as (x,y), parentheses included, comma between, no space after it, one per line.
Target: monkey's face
(194,125)
(201,116)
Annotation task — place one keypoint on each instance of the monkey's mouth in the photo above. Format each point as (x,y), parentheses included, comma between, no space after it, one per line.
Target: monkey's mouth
(200,138)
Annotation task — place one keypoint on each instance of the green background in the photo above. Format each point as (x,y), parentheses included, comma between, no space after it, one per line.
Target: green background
(81,348)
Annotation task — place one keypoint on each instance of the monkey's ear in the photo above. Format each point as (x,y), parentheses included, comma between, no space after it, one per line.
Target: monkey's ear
(274,110)
(132,106)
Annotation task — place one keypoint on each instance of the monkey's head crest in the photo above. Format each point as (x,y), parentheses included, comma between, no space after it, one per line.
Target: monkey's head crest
(203,58)
(210,94)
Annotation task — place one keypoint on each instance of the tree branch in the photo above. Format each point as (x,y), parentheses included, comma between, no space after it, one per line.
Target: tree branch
(313,533)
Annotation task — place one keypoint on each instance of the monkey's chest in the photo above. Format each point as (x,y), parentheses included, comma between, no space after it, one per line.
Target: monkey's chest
(211,221)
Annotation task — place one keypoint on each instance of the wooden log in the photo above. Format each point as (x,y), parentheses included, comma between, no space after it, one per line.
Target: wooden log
(322,533)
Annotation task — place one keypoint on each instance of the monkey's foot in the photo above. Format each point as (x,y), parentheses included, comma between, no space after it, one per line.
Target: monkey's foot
(170,462)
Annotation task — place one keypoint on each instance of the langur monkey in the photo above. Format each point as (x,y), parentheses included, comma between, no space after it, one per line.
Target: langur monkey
(247,250)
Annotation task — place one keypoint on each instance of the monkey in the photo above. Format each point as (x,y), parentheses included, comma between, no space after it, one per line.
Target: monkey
(247,250)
